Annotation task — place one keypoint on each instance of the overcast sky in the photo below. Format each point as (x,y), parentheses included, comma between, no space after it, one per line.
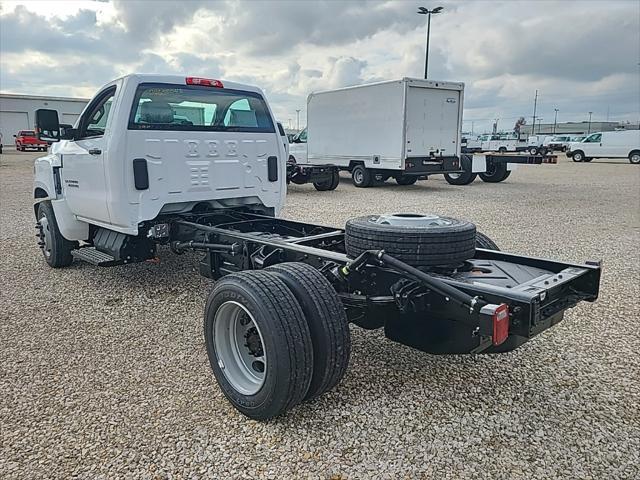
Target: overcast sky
(581,55)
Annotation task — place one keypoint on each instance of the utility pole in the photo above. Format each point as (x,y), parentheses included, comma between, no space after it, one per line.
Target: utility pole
(298,119)
(555,121)
(424,11)
(535,106)
(589,130)
(471,127)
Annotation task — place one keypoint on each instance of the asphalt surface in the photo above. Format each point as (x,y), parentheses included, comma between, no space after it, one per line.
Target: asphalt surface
(104,374)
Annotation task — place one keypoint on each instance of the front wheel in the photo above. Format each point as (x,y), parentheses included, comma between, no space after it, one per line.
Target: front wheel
(258,343)
(55,248)
(634,157)
(496,172)
(406,179)
(463,178)
(533,150)
(361,176)
(330,184)
(578,156)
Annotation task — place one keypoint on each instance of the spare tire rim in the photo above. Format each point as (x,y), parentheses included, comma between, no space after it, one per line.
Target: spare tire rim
(239,348)
(411,220)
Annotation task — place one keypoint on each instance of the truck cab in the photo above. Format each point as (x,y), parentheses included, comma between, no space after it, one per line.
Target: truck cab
(148,146)
(298,147)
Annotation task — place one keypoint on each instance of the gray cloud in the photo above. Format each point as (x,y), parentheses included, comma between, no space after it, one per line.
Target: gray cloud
(582,56)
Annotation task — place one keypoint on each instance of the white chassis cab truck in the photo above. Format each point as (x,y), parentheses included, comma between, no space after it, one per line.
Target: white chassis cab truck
(194,164)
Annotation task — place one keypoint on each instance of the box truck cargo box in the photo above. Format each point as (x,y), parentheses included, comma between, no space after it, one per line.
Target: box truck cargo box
(405,129)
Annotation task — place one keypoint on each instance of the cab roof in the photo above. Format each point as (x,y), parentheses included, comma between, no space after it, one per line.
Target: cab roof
(138,78)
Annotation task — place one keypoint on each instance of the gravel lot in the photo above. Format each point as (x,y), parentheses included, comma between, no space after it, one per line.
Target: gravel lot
(104,374)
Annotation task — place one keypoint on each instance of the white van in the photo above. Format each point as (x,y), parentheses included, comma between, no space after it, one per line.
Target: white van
(617,144)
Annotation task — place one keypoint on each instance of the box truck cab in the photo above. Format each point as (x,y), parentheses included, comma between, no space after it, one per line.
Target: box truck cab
(298,147)
(155,145)
(616,144)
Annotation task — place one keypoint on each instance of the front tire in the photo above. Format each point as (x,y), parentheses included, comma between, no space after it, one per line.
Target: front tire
(55,248)
(496,172)
(331,184)
(634,157)
(578,156)
(406,179)
(361,176)
(466,176)
(533,150)
(258,344)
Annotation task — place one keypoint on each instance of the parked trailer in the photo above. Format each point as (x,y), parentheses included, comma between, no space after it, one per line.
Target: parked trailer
(493,167)
(135,177)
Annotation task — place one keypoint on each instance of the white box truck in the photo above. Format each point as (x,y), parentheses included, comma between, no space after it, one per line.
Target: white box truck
(405,129)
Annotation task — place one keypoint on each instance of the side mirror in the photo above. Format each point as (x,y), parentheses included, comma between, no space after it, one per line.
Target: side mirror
(47,125)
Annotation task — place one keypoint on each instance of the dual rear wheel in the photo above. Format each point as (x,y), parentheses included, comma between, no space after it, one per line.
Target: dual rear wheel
(276,338)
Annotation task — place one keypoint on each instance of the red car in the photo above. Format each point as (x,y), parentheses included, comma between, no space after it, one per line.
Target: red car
(27,139)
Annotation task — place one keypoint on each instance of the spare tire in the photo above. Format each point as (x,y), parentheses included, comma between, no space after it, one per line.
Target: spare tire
(419,240)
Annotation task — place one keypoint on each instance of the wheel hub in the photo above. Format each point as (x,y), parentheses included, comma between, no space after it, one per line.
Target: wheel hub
(44,234)
(410,220)
(239,348)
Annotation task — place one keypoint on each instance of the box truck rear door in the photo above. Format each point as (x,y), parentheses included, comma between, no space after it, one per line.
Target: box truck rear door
(432,121)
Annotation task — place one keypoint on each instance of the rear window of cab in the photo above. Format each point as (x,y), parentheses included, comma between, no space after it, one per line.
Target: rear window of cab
(198,108)
(27,133)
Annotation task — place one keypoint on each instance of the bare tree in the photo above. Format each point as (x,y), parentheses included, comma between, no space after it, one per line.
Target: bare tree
(517,127)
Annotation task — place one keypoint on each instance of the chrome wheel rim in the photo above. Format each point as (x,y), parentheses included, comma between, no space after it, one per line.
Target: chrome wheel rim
(635,158)
(411,220)
(239,347)
(358,175)
(45,236)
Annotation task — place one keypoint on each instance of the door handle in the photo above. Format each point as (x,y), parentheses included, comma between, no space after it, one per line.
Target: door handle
(95,151)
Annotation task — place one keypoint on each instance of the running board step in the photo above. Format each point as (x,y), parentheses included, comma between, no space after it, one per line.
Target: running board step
(95,257)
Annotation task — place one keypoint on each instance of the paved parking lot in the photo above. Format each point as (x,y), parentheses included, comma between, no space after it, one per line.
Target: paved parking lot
(104,374)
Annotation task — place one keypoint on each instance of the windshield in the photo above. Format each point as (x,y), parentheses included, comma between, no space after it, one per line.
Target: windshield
(28,133)
(198,108)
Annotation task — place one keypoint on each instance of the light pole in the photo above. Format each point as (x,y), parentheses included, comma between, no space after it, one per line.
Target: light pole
(555,121)
(424,11)
(589,129)
(298,119)
(535,106)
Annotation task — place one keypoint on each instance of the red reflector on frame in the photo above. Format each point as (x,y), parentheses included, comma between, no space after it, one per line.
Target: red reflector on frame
(500,324)
(205,82)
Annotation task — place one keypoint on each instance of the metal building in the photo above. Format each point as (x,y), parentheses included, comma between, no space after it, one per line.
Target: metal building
(17,112)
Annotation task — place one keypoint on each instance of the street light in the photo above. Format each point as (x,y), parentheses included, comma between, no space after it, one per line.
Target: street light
(424,11)
(555,120)
(589,130)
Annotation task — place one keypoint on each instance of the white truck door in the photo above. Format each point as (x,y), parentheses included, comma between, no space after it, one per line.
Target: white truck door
(432,121)
(592,146)
(83,174)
